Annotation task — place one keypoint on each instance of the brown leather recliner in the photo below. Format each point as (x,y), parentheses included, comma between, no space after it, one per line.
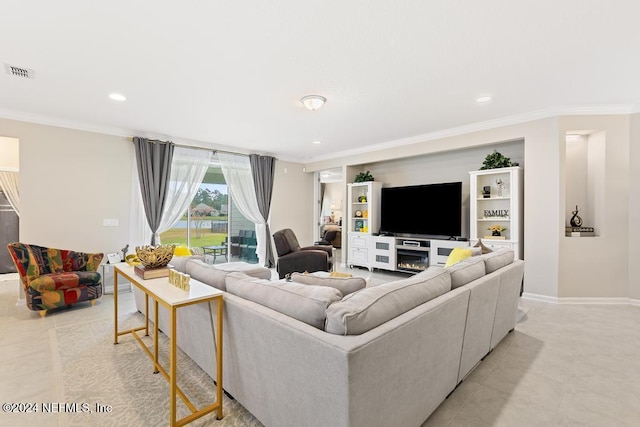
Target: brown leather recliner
(293,258)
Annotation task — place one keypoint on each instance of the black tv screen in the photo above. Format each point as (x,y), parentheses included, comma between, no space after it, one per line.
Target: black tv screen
(433,210)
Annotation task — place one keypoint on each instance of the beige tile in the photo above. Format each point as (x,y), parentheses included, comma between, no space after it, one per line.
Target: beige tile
(490,407)
(451,406)
(580,403)
(564,365)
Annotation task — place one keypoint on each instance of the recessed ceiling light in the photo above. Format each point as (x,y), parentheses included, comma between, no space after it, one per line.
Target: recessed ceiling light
(313,102)
(316,142)
(483,99)
(117,97)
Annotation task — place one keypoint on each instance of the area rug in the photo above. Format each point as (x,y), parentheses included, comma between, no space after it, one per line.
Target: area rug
(114,385)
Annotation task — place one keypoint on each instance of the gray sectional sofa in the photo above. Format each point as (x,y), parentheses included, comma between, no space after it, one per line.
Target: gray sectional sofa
(300,354)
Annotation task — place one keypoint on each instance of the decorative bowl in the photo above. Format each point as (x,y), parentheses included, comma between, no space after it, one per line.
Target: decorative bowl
(155,256)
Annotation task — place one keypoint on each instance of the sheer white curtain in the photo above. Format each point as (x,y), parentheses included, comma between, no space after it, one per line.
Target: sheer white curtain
(187,171)
(9,184)
(236,169)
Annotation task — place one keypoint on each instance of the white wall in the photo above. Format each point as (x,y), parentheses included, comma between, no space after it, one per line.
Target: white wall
(70,181)
(597,267)
(634,209)
(333,197)
(292,201)
(576,178)
(596,178)
(9,153)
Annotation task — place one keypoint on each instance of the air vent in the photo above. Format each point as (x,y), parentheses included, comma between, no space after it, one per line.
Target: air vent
(21,72)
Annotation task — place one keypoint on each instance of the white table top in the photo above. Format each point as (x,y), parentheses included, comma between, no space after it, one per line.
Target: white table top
(169,294)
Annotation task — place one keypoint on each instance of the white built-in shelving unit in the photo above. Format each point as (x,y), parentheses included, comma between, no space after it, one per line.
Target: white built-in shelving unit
(363,221)
(501,205)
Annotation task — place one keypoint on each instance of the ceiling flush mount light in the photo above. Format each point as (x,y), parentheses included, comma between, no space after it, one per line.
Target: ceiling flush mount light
(117,97)
(313,102)
(483,99)
(316,142)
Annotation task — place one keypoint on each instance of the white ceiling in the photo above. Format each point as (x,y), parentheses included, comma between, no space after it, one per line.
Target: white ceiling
(231,73)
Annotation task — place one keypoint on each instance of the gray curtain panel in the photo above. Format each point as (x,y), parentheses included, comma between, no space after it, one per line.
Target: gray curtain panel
(154,169)
(262,169)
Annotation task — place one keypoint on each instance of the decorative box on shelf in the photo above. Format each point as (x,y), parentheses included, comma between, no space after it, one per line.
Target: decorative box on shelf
(151,273)
(495,237)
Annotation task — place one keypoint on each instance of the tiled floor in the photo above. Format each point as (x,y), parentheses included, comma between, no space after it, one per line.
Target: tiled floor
(564,365)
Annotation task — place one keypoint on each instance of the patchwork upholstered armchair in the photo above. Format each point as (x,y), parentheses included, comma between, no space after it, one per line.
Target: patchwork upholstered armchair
(54,278)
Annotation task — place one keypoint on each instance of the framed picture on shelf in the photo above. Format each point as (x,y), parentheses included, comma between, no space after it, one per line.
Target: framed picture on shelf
(357,226)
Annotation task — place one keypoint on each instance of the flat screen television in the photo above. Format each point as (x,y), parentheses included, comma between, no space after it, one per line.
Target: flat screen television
(432,210)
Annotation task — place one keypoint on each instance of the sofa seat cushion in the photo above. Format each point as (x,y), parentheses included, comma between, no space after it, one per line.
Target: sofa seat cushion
(497,259)
(56,281)
(305,303)
(346,285)
(466,271)
(253,270)
(370,307)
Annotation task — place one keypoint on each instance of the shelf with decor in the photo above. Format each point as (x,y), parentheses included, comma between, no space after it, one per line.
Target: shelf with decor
(363,220)
(496,207)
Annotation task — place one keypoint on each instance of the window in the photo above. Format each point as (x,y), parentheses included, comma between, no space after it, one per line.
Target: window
(205,223)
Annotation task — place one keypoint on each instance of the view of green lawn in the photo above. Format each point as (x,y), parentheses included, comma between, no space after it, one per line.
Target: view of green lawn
(178,236)
(200,232)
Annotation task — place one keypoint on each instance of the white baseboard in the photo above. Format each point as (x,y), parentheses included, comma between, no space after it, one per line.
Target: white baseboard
(585,300)
(537,297)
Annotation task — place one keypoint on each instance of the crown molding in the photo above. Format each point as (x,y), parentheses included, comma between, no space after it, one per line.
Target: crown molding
(577,110)
(62,123)
(113,131)
(431,136)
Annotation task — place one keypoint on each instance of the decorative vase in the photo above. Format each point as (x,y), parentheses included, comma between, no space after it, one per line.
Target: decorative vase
(495,233)
(575,221)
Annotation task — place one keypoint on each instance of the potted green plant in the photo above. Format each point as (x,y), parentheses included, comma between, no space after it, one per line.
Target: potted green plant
(496,160)
(364,177)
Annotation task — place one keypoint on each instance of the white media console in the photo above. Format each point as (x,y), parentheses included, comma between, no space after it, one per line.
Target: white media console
(394,253)
(407,254)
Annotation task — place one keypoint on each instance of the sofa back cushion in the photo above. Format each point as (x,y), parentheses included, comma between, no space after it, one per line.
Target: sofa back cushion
(305,303)
(370,307)
(466,271)
(205,273)
(346,285)
(180,262)
(497,259)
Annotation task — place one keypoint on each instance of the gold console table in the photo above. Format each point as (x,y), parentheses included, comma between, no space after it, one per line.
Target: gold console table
(172,298)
